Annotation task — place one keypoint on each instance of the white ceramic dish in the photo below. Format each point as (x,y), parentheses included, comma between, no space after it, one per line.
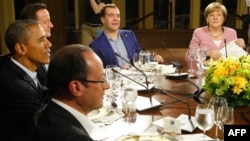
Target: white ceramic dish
(147,138)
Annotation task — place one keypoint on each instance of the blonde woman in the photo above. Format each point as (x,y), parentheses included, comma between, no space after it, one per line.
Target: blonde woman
(215,35)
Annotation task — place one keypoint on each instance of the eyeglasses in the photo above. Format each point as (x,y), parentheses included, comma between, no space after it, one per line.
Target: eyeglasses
(95,81)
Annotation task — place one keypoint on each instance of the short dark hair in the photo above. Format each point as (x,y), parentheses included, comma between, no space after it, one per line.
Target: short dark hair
(29,11)
(18,32)
(67,64)
(103,11)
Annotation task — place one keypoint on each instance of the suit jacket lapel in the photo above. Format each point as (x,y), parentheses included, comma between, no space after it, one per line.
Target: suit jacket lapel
(22,74)
(106,47)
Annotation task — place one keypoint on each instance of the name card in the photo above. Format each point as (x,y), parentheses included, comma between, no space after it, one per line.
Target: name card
(172,126)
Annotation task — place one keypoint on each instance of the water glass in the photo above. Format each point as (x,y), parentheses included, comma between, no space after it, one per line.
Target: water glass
(204,116)
(201,55)
(191,57)
(128,98)
(144,57)
(137,60)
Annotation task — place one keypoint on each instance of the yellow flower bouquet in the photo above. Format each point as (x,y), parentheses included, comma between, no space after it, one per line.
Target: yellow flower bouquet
(230,78)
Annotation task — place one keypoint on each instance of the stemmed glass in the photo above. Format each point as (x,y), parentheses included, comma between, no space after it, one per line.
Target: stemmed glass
(191,57)
(204,116)
(229,120)
(112,77)
(200,56)
(128,98)
(153,60)
(152,64)
(220,111)
(144,56)
(137,60)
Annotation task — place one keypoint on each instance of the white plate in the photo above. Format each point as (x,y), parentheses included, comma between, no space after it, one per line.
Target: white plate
(98,113)
(147,138)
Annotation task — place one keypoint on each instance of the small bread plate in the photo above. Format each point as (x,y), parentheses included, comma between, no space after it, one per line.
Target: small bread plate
(98,113)
(147,138)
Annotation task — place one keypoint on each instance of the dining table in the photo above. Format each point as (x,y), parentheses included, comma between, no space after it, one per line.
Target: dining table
(178,98)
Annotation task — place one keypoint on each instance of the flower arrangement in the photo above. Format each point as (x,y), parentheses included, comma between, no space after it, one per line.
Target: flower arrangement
(230,78)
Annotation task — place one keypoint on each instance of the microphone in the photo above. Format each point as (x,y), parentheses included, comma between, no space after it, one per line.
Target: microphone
(175,62)
(146,78)
(225,42)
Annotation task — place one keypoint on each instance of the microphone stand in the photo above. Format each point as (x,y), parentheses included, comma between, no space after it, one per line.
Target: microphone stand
(225,42)
(175,62)
(180,100)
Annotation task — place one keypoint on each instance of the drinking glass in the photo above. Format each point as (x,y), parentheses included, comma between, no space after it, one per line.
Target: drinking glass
(137,61)
(204,116)
(200,56)
(128,99)
(152,64)
(145,59)
(191,57)
(229,120)
(112,77)
(220,111)
(153,60)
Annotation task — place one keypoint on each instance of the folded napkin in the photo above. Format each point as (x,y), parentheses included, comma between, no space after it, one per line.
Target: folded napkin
(105,115)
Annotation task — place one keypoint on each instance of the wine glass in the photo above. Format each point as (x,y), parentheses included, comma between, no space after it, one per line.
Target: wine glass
(152,64)
(144,56)
(137,61)
(220,111)
(128,99)
(191,57)
(204,116)
(112,77)
(200,56)
(230,118)
(153,60)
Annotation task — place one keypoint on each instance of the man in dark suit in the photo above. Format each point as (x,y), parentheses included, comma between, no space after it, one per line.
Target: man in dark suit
(76,83)
(40,13)
(113,40)
(22,79)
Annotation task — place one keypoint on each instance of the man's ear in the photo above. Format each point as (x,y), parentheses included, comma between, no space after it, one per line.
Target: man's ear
(102,20)
(20,48)
(75,87)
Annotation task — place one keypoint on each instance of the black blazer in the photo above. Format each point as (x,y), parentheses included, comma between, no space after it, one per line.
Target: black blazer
(54,123)
(19,99)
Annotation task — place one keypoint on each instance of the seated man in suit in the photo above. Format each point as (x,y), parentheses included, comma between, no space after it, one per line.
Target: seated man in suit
(112,40)
(76,83)
(40,13)
(22,78)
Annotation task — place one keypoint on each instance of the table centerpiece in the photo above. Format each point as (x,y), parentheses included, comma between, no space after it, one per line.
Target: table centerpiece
(230,78)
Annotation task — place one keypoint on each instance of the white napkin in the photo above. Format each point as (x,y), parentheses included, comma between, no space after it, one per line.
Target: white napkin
(194,137)
(233,50)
